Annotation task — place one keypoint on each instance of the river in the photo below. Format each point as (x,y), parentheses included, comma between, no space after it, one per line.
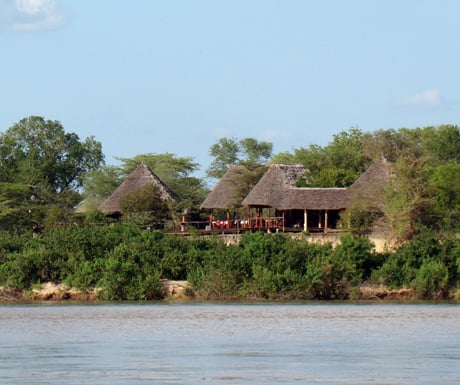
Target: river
(305,343)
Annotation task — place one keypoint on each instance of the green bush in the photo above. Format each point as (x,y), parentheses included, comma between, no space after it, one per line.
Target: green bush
(403,267)
(127,263)
(123,279)
(330,277)
(268,284)
(432,281)
(358,251)
(24,268)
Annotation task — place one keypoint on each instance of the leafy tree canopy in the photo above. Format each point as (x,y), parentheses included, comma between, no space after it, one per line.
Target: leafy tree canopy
(229,151)
(338,164)
(100,183)
(41,169)
(39,153)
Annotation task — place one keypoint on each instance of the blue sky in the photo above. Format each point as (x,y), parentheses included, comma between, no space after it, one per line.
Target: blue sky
(146,76)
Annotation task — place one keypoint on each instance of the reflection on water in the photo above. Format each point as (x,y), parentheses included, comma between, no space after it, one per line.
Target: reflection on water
(230,344)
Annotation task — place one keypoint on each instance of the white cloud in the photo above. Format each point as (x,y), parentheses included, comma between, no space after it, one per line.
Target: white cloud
(31,15)
(431,98)
(34,7)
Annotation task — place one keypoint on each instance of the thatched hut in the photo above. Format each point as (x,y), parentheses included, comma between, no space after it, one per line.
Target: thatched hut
(275,202)
(310,209)
(369,187)
(225,194)
(137,180)
(224,201)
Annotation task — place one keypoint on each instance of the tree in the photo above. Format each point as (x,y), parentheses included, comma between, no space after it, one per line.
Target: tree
(441,144)
(446,181)
(14,206)
(229,151)
(39,153)
(338,164)
(102,182)
(410,197)
(43,166)
(255,153)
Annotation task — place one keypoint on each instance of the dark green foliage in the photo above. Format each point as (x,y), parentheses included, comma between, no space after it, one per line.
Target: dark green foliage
(145,206)
(22,269)
(360,218)
(127,263)
(425,263)
(222,273)
(338,164)
(358,252)
(432,280)
(39,153)
(41,168)
(131,273)
(330,277)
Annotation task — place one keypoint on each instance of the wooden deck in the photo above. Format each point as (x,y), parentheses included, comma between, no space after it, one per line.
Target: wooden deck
(273,224)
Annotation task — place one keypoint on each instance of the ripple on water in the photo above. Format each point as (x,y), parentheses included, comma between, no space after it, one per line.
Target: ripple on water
(230,344)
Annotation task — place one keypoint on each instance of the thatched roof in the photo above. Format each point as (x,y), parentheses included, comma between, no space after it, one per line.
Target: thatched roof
(377,175)
(301,198)
(277,189)
(369,188)
(225,194)
(137,180)
(272,187)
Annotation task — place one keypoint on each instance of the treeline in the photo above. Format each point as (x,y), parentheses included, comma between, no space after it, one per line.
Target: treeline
(46,173)
(127,263)
(51,184)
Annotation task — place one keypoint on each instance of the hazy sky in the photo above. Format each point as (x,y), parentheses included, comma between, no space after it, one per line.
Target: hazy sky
(146,76)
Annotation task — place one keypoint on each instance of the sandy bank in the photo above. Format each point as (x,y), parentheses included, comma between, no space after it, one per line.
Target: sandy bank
(382,292)
(59,292)
(173,290)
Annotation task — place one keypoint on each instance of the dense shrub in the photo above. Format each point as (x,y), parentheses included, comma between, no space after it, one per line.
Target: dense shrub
(432,281)
(24,268)
(417,263)
(128,263)
(358,252)
(330,277)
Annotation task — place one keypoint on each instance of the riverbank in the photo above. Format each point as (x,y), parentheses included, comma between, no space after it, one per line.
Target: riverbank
(173,290)
(60,292)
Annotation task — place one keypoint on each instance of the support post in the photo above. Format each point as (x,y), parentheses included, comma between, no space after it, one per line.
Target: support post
(325,221)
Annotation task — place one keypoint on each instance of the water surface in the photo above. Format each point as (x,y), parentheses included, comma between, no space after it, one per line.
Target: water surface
(230,344)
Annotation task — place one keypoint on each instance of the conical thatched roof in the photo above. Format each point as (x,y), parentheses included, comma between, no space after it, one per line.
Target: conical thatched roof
(369,188)
(225,194)
(377,175)
(137,180)
(272,188)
